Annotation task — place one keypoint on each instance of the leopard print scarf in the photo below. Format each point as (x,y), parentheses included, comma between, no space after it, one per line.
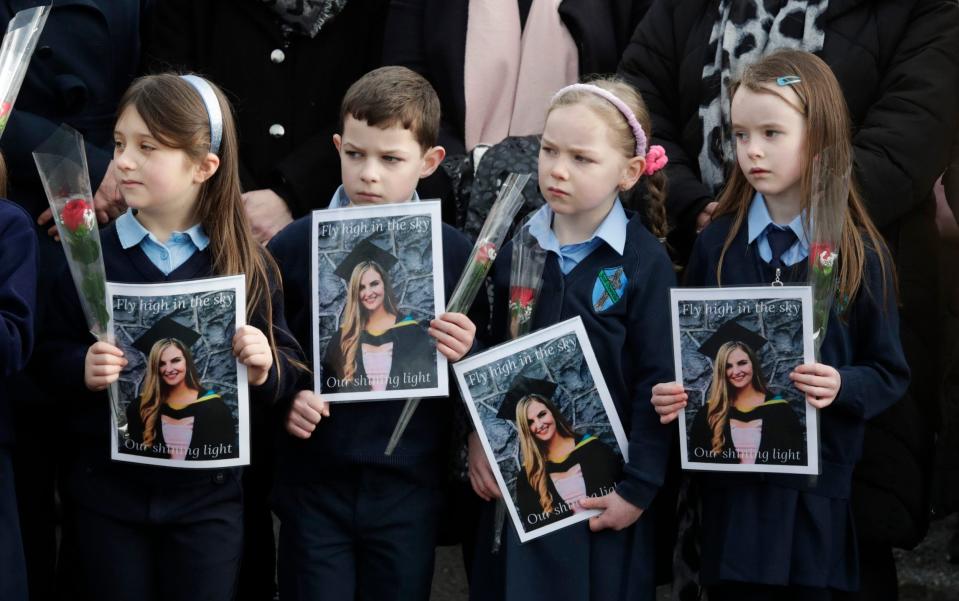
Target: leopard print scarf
(745,31)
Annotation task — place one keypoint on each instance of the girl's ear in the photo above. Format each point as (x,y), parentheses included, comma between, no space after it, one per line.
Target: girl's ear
(431,160)
(206,168)
(635,167)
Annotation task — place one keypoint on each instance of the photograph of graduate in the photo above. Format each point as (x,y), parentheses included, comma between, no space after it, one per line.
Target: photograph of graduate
(744,419)
(175,416)
(377,347)
(560,466)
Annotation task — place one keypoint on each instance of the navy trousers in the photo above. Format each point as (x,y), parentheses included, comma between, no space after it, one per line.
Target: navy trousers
(131,540)
(368,533)
(13,575)
(571,564)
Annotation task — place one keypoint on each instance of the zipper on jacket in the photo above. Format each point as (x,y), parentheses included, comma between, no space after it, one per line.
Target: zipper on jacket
(778,281)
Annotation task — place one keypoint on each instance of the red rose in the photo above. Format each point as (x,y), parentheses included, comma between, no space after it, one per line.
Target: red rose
(76,214)
(486,252)
(521,295)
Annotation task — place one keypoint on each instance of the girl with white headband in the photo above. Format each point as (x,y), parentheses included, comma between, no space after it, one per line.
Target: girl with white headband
(140,531)
(604,265)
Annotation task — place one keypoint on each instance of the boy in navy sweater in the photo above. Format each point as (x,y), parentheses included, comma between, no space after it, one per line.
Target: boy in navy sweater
(356,523)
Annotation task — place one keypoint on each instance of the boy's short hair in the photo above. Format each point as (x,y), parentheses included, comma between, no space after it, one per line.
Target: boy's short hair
(395,95)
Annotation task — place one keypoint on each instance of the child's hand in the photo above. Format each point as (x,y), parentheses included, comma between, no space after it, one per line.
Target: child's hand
(481,474)
(454,333)
(307,411)
(618,513)
(669,398)
(820,383)
(102,366)
(253,350)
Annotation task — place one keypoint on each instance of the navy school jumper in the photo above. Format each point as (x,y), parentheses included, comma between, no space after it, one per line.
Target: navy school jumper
(87,414)
(630,340)
(357,433)
(781,529)
(18,284)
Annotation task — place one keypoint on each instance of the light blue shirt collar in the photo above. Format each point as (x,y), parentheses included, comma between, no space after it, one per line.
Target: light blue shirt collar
(131,232)
(340,199)
(758,219)
(612,230)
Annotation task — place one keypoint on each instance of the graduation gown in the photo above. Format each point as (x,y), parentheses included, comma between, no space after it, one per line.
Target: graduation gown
(781,431)
(413,359)
(214,429)
(601,470)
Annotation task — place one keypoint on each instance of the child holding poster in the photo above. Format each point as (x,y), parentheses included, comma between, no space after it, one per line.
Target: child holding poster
(356,523)
(780,536)
(138,531)
(605,266)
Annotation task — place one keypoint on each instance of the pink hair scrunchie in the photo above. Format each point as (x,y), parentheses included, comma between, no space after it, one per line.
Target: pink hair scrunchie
(656,159)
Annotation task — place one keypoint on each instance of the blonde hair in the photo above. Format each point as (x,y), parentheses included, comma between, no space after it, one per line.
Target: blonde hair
(623,138)
(828,127)
(721,392)
(154,391)
(534,460)
(354,316)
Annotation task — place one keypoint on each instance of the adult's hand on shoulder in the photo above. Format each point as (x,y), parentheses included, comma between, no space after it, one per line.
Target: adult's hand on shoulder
(705,217)
(108,201)
(267,212)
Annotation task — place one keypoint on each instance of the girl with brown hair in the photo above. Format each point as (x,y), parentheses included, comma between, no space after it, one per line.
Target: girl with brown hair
(145,531)
(777,535)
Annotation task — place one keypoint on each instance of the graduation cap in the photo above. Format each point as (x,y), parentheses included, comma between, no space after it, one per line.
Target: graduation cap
(165,328)
(364,251)
(731,331)
(523,387)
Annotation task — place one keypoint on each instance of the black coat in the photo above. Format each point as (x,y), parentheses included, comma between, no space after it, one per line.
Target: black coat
(84,60)
(413,354)
(429,36)
(232,42)
(781,431)
(898,64)
(601,467)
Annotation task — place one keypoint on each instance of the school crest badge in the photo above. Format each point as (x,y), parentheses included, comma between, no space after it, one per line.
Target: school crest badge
(609,288)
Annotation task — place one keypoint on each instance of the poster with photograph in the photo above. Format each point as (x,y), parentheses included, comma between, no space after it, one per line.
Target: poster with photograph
(547,423)
(734,349)
(377,283)
(183,392)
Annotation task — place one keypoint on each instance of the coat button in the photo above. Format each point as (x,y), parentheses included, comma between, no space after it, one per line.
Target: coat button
(277,130)
(277,56)
(219,478)
(44,52)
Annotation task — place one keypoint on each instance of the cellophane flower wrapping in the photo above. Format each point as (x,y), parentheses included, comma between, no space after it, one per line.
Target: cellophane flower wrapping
(828,204)
(525,282)
(21,37)
(490,240)
(62,163)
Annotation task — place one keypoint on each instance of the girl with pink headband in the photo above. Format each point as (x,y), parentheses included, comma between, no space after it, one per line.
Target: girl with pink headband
(605,266)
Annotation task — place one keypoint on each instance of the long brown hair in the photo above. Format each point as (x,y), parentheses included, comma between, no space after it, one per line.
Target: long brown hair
(828,128)
(155,390)
(534,459)
(721,394)
(355,316)
(624,139)
(176,116)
